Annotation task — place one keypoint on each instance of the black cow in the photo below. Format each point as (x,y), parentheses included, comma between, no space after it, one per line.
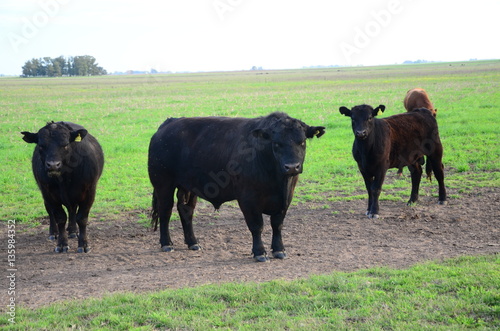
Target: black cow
(67,163)
(254,161)
(394,142)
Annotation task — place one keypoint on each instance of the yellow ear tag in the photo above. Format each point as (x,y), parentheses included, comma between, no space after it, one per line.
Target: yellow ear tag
(379,112)
(78,138)
(316,133)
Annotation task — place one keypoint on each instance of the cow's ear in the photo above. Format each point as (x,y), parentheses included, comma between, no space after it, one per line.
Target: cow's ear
(261,133)
(77,135)
(379,110)
(30,137)
(317,131)
(345,111)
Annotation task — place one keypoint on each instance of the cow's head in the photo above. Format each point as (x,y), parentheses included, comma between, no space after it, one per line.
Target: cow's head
(55,143)
(286,137)
(362,118)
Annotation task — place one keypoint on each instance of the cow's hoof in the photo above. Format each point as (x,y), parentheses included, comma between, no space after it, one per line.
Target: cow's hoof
(442,202)
(73,235)
(373,216)
(63,249)
(195,247)
(261,258)
(52,237)
(167,248)
(279,255)
(83,249)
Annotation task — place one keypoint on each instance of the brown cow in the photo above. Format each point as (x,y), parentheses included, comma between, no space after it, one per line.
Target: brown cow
(418,98)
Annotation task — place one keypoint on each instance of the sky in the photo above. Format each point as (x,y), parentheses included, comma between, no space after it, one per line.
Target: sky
(217,35)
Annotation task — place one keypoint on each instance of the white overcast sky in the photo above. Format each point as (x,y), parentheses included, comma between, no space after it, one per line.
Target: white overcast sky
(208,35)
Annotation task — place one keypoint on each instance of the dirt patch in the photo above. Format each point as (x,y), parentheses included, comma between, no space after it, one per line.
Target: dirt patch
(319,239)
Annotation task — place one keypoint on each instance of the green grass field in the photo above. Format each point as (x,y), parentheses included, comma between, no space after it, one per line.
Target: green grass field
(457,294)
(123,112)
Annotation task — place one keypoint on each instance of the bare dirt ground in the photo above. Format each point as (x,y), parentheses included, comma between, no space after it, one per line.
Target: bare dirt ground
(126,255)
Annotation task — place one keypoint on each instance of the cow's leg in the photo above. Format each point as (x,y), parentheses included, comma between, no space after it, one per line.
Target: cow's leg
(376,189)
(165,204)
(72,230)
(255,224)
(438,169)
(428,169)
(82,219)
(368,184)
(186,202)
(62,240)
(416,176)
(53,229)
(277,242)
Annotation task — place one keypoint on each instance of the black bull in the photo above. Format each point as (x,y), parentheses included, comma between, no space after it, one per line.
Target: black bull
(67,163)
(254,161)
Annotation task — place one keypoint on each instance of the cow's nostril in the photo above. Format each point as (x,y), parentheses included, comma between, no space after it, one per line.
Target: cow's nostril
(53,165)
(361,133)
(292,168)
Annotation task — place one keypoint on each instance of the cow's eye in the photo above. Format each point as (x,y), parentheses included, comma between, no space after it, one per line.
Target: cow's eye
(303,143)
(277,145)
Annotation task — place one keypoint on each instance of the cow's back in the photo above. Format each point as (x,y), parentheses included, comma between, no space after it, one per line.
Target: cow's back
(418,98)
(186,142)
(201,154)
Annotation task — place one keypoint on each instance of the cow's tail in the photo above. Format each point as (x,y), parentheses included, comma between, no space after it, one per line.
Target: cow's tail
(154,211)
(428,169)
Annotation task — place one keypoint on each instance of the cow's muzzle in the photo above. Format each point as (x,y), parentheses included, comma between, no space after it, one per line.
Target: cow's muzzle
(361,134)
(53,168)
(292,169)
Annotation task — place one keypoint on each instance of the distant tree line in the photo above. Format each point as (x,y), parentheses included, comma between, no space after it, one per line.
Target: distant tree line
(84,65)
(417,62)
